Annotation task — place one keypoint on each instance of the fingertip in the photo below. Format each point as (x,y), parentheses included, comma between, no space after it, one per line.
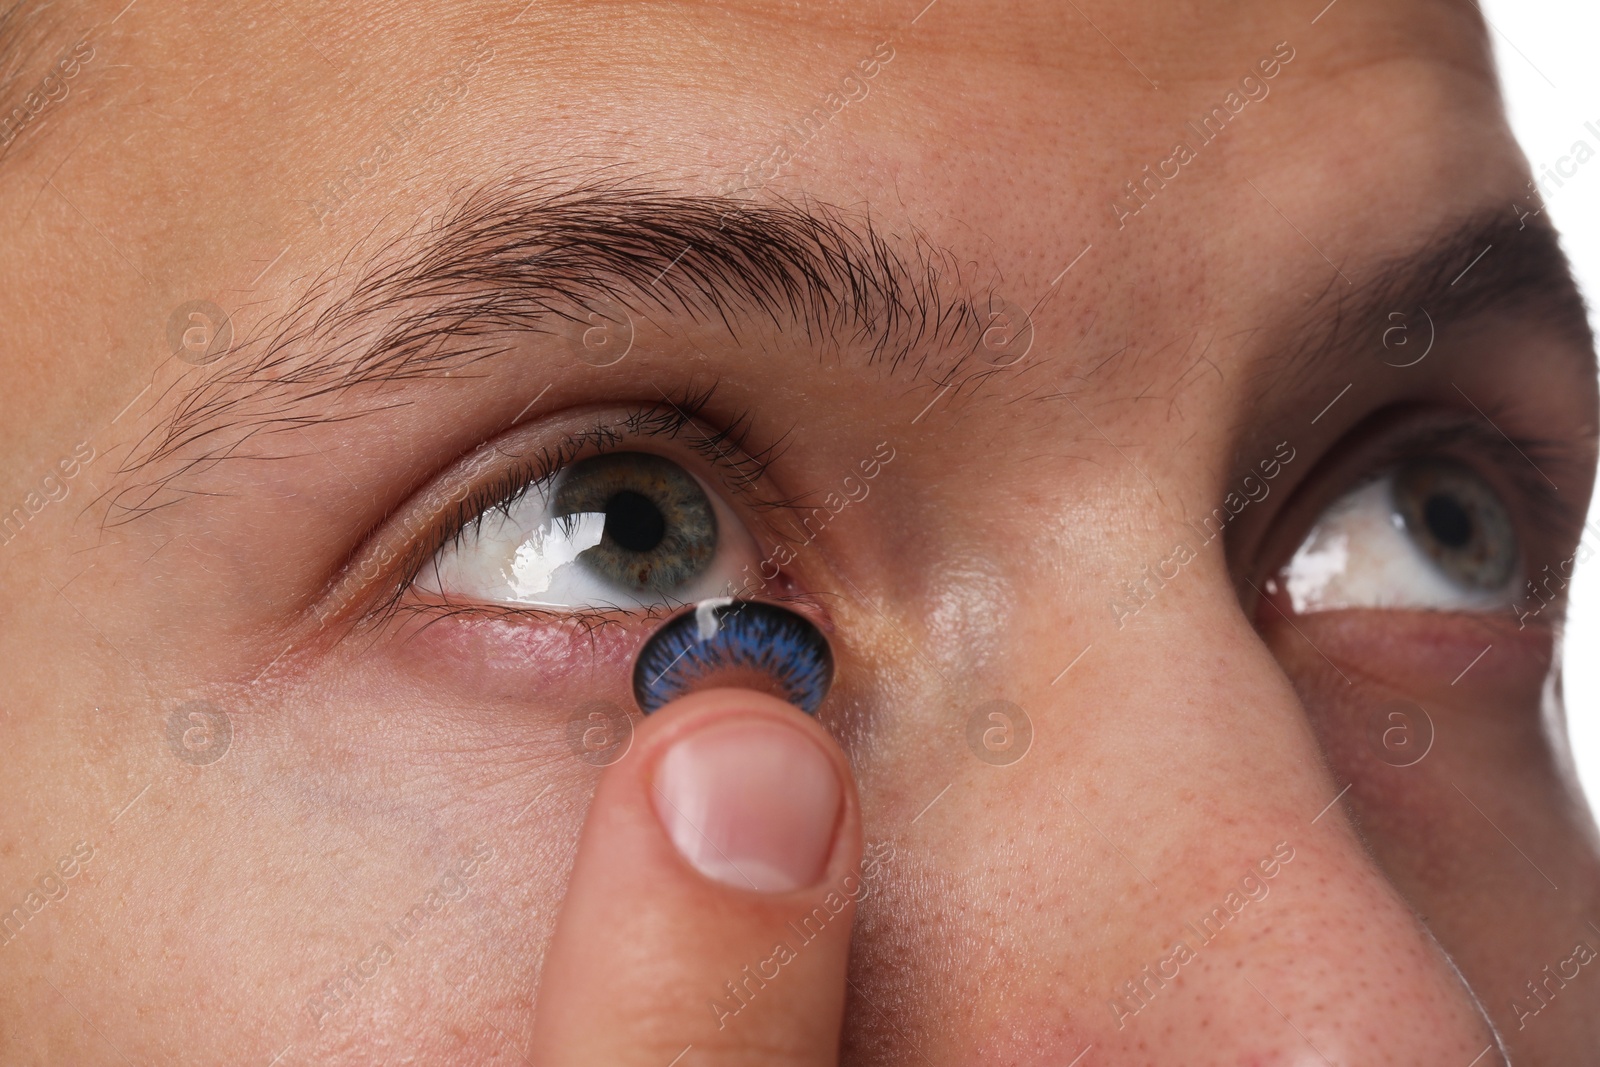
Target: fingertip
(751,792)
(731,827)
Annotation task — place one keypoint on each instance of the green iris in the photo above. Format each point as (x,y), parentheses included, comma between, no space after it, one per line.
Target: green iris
(660,529)
(1456,518)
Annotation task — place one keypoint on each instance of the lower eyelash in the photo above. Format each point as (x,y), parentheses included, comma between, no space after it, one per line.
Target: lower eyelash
(589,620)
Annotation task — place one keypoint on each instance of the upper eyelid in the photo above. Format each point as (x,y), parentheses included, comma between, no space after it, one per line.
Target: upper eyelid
(724,448)
(1389,437)
(1481,444)
(599,440)
(1511,462)
(733,448)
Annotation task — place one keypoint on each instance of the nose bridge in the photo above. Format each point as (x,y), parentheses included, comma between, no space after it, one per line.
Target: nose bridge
(1164,872)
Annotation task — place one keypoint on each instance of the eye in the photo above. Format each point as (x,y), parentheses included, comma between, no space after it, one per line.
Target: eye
(1428,534)
(621,530)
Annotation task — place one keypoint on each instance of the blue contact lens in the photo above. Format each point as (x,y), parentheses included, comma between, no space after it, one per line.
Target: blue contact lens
(732,642)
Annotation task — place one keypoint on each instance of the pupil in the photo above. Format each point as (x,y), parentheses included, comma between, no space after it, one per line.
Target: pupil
(1448,521)
(634,522)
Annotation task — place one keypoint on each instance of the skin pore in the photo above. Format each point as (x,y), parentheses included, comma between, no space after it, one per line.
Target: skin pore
(940,272)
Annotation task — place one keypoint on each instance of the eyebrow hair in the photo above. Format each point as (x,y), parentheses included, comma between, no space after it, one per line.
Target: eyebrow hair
(16,19)
(516,257)
(25,32)
(1482,264)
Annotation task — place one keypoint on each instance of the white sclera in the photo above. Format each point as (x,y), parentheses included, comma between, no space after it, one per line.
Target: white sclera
(507,561)
(523,557)
(1360,555)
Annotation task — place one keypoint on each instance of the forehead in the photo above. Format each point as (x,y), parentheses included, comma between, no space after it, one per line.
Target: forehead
(192,154)
(700,91)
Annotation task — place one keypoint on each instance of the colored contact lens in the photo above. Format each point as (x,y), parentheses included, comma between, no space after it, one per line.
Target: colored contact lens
(745,643)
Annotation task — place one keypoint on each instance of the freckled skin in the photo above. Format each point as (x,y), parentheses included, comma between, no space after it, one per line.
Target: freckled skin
(1171,750)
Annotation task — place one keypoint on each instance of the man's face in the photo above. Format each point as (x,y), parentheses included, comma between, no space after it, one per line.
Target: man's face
(1175,416)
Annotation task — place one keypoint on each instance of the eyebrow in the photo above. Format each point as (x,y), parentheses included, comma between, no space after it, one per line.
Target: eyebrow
(25,38)
(1483,264)
(17,19)
(516,258)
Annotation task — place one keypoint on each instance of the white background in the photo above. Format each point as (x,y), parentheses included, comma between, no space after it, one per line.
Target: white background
(1546,51)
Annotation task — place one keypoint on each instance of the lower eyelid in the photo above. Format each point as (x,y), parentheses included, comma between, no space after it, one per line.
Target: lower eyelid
(1428,655)
(519,656)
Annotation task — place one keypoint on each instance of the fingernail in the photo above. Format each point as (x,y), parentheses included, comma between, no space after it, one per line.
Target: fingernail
(750,803)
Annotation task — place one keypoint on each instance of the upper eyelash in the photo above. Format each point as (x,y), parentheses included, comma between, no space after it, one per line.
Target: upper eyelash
(1513,457)
(729,449)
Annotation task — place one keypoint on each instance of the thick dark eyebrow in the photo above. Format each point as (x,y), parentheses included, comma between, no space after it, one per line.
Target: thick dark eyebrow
(1484,264)
(517,258)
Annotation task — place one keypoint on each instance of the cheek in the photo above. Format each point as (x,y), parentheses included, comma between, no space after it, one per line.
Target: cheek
(269,898)
(381,783)
(1457,779)
(1415,704)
